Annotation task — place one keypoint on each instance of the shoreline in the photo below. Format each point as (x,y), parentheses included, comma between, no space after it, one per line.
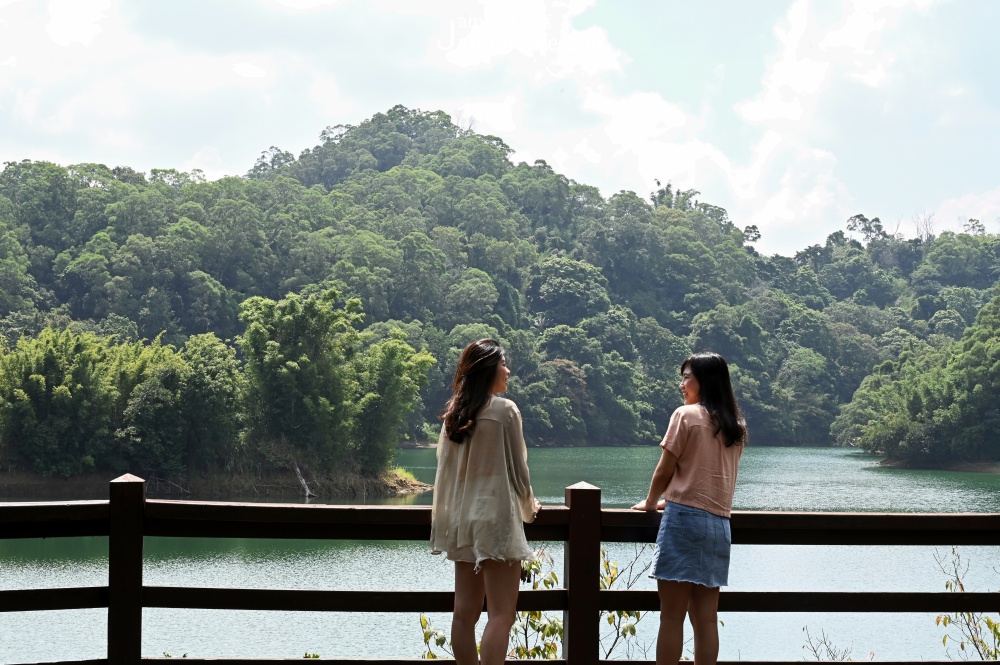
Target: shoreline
(960,467)
(278,485)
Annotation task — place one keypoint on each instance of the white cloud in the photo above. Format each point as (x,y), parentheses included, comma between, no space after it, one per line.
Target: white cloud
(249,70)
(809,201)
(26,103)
(856,43)
(640,116)
(584,150)
(208,160)
(533,38)
(193,74)
(792,77)
(302,5)
(90,109)
(325,93)
(952,213)
(122,139)
(746,181)
(498,116)
(76,21)
(812,55)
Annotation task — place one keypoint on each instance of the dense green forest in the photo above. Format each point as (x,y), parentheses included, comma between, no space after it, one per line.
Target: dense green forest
(312,310)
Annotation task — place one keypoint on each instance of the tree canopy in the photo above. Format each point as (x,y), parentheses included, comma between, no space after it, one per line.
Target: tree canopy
(120,292)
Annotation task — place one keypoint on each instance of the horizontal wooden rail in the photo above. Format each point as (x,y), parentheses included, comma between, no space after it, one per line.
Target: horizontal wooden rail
(787,528)
(194,519)
(331,601)
(819,601)
(33,600)
(54,520)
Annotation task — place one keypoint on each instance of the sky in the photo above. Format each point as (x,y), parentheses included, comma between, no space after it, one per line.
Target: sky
(793,115)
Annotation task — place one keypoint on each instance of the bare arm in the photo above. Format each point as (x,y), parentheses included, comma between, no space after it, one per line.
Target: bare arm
(658,485)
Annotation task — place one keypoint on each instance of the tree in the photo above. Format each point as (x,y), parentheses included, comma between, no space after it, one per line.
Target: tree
(390,375)
(212,402)
(300,381)
(470,298)
(565,291)
(806,378)
(56,403)
(870,229)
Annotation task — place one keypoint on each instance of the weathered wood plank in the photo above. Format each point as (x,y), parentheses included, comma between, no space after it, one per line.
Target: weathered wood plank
(331,601)
(32,600)
(98,661)
(801,528)
(54,519)
(582,565)
(296,521)
(819,601)
(128,496)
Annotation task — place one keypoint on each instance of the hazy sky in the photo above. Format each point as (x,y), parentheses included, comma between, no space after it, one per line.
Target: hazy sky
(793,115)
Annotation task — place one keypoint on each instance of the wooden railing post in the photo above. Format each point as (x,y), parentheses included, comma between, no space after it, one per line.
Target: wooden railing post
(128,498)
(581,572)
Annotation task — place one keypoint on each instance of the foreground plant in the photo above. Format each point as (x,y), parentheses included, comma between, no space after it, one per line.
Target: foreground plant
(823,649)
(977,632)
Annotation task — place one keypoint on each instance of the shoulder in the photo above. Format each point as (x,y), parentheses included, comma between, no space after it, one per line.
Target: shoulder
(501,409)
(693,414)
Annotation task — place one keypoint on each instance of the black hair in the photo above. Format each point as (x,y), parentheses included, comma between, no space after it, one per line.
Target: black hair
(715,393)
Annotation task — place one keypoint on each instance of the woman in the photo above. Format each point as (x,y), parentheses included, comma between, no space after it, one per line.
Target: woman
(482,497)
(696,476)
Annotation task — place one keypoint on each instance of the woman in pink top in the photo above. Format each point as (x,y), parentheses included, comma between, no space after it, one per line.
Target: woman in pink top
(696,478)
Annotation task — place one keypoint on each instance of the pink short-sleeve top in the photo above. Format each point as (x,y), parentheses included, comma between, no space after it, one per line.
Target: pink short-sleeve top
(705,476)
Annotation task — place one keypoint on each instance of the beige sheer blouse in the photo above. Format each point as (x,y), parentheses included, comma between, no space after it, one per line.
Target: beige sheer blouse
(482,490)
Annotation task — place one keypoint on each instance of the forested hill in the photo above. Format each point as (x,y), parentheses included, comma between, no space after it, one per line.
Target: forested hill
(441,235)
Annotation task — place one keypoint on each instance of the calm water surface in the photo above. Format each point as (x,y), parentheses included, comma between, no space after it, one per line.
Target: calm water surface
(770,479)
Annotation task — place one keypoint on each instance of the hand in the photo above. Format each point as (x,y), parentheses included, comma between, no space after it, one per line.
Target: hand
(645,505)
(538,506)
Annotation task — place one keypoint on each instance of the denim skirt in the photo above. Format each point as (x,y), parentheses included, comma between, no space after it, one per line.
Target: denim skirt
(692,545)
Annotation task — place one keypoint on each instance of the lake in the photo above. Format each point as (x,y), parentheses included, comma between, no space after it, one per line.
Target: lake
(812,479)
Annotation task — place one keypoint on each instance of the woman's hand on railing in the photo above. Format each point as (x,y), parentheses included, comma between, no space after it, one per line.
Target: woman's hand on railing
(650,506)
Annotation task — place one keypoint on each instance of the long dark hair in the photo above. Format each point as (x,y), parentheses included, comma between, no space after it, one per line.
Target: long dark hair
(715,393)
(472,387)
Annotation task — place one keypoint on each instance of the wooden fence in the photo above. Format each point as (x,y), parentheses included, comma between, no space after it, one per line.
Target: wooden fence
(580,523)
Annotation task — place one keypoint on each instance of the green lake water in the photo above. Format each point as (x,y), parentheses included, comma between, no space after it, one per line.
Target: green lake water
(812,479)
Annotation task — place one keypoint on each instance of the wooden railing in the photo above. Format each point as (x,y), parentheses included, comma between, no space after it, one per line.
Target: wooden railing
(581,524)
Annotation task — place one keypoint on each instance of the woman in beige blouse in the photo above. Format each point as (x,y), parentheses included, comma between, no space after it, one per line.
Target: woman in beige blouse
(482,497)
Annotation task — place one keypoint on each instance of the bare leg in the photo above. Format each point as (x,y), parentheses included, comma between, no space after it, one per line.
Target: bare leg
(674,598)
(469,594)
(703,609)
(501,580)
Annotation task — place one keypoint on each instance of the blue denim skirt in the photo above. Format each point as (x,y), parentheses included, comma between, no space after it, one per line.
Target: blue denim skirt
(692,545)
